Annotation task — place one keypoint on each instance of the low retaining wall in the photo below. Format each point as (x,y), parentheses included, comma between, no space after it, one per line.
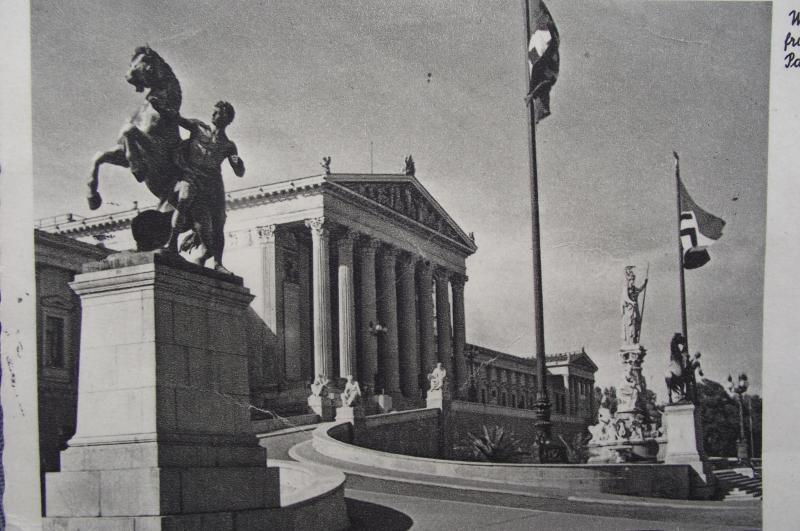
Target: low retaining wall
(649,480)
(279,442)
(436,433)
(470,417)
(414,432)
(312,498)
(281,423)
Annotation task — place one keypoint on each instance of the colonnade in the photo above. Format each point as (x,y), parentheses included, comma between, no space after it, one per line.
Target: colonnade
(386,313)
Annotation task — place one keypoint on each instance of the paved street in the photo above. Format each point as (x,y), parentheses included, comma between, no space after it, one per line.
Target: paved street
(412,501)
(399,512)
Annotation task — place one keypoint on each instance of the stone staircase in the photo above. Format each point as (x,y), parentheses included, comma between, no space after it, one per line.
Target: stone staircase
(739,483)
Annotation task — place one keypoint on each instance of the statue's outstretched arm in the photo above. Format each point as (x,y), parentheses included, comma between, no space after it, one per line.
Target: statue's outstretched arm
(190,124)
(236,163)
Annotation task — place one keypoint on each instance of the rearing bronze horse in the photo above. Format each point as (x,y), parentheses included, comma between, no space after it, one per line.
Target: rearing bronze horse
(680,375)
(148,141)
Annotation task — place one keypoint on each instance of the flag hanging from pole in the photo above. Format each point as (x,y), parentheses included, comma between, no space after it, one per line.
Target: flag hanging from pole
(543,58)
(698,230)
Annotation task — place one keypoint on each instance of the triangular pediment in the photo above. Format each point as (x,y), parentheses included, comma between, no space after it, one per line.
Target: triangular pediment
(404,195)
(583,361)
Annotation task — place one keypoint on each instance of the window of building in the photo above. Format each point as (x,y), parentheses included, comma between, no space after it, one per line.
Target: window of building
(483,396)
(54,342)
(503,401)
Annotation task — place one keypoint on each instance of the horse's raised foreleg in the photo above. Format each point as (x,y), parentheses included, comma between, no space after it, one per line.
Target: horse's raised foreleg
(116,157)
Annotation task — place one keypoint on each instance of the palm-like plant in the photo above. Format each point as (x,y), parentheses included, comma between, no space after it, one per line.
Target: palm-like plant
(577,452)
(495,445)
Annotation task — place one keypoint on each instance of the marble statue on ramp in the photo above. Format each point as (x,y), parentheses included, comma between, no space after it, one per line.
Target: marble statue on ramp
(438,377)
(352,392)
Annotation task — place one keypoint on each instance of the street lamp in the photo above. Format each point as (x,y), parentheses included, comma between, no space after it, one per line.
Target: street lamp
(738,389)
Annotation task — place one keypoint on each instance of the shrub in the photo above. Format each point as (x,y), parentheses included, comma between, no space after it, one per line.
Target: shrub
(495,445)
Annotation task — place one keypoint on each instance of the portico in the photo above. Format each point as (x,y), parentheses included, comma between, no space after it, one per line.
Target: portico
(358,274)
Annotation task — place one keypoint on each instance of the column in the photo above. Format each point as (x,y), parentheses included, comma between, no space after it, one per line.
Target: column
(367,311)
(427,349)
(443,332)
(323,358)
(459,332)
(407,327)
(271,295)
(347,310)
(387,314)
(568,393)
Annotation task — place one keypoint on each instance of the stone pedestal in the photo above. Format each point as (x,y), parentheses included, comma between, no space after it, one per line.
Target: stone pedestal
(322,406)
(163,434)
(685,446)
(351,414)
(632,382)
(684,438)
(384,403)
(742,454)
(436,398)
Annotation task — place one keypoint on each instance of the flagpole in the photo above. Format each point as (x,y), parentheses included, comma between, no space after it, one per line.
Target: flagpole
(542,406)
(680,257)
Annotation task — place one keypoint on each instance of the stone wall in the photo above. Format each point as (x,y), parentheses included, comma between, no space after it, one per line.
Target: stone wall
(470,417)
(436,434)
(415,432)
(649,480)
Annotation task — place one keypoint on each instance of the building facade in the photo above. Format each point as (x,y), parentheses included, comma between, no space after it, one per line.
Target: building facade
(359,275)
(58,317)
(506,380)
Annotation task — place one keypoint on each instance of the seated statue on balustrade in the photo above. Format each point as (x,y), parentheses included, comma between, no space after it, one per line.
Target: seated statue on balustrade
(352,392)
(438,377)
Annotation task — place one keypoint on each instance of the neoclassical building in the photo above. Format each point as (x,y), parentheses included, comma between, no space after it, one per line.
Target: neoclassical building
(58,317)
(353,274)
(507,380)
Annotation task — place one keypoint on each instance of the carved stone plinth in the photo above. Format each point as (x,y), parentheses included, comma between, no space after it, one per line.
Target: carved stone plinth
(351,414)
(163,435)
(384,402)
(685,445)
(437,397)
(322,406)
(632,389)
(684,435)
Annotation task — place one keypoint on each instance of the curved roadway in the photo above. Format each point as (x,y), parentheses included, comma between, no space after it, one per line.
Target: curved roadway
(388,500)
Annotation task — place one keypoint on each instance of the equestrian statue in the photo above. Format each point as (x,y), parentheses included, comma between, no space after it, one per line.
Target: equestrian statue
(680,377)
(184,175)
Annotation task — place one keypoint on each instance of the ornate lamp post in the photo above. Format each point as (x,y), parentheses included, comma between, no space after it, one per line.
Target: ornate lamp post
(738,389)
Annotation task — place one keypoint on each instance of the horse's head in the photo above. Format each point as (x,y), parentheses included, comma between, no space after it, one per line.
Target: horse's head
(675,346)
(147,68)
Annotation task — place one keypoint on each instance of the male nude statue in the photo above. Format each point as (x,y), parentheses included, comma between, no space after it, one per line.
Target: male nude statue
(201,193)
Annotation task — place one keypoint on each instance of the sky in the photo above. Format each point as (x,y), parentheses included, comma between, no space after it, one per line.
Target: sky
(445,81)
